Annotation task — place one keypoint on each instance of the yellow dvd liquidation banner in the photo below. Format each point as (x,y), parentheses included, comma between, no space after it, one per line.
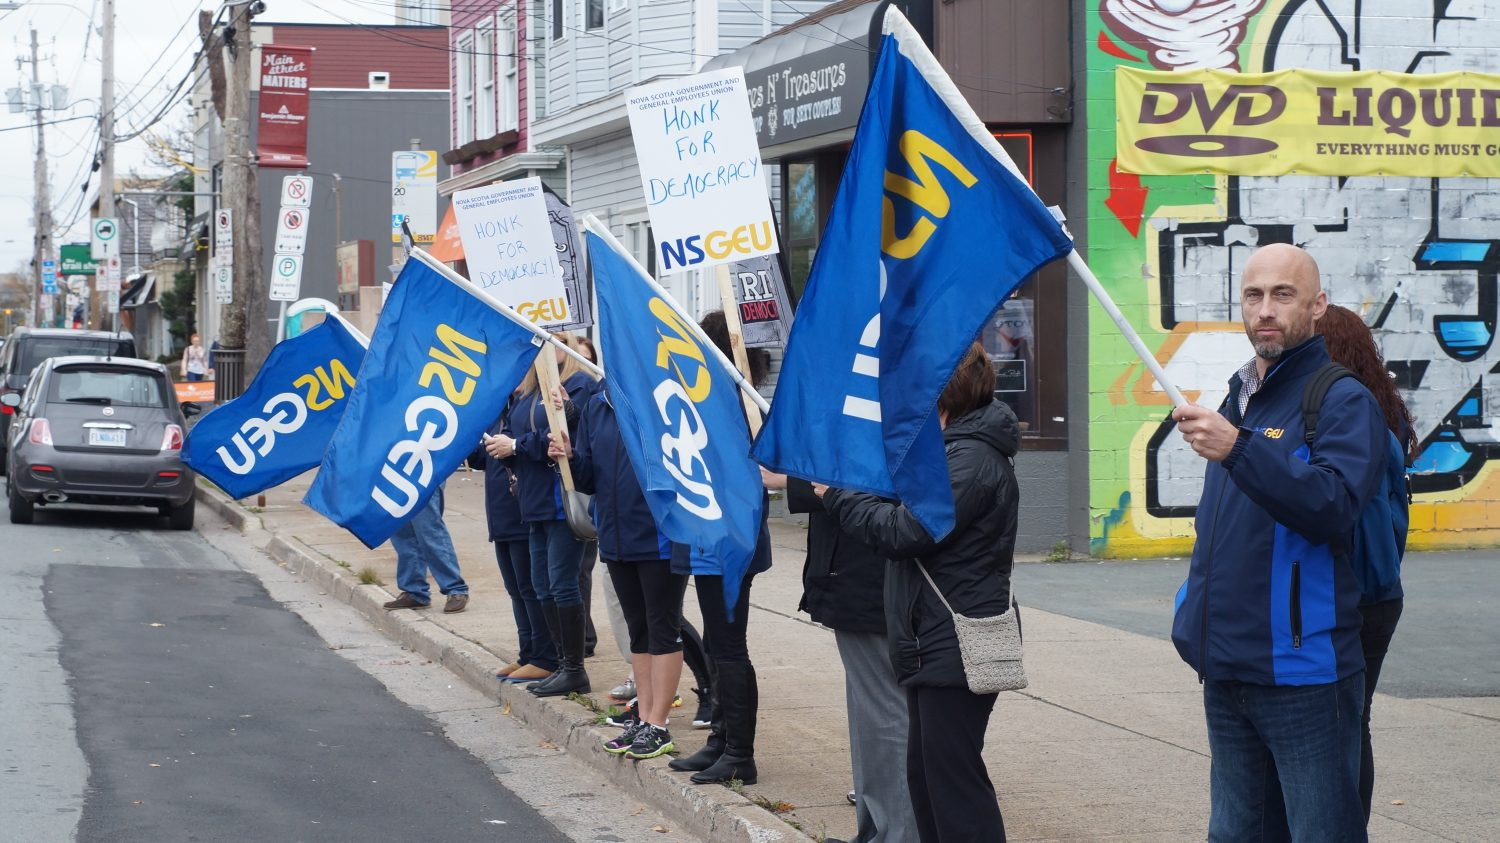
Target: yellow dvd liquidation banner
(1308,122)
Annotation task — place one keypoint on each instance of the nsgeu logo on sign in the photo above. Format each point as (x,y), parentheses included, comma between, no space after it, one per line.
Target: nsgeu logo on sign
(746,240)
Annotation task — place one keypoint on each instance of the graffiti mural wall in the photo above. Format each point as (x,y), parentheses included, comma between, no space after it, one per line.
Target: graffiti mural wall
(1417,257)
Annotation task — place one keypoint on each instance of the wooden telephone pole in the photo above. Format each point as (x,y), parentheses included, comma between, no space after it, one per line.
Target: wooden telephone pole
(242,195)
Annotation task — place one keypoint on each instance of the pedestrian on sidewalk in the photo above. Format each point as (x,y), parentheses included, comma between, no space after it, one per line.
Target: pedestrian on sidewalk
(195,365)
(556,554)
(843,588)
(1269,615)
(536,658)
(1352,346)
(952,798)
(729,753)
(638,558)
(423,546)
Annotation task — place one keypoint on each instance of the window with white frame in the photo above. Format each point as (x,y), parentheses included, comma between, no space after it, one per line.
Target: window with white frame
(593,14)
(463,84)
(484,63)
(510,87)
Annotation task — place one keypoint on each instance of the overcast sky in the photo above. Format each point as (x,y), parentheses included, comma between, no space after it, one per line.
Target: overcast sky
(154,45)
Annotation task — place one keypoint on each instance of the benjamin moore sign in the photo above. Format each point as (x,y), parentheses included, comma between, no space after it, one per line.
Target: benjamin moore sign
(1308,122)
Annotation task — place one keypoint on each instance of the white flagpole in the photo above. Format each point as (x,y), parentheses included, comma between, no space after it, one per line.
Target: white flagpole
(914,49)
(505,310)
(358,335)
(592,223)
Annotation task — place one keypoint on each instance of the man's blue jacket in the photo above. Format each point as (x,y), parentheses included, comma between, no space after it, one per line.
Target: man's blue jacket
(1271,598)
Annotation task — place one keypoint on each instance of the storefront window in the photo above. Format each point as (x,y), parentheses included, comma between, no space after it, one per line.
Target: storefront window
(1026,338)
(802,224)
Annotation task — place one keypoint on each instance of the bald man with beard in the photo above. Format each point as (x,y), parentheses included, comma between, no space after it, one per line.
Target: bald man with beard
(1269,614)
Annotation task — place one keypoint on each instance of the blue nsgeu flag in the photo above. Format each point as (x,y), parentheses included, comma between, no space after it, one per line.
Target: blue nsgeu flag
(680,419)
(931,229)
(441,365)
(280,426)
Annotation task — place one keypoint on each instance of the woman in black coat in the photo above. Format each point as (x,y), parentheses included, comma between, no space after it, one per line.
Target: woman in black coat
(951,793)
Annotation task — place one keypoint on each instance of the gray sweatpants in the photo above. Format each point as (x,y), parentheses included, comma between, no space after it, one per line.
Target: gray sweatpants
(877,739)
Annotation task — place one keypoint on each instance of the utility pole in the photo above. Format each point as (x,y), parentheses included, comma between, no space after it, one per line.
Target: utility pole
(107,113)
(43,196)
(242,195)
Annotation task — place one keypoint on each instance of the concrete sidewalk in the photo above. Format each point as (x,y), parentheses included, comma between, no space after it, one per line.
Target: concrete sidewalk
(1107,743)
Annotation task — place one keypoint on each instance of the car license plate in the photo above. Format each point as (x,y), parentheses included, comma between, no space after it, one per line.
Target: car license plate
(107,438)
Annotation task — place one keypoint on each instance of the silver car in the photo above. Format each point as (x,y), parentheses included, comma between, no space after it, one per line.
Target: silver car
(98,430)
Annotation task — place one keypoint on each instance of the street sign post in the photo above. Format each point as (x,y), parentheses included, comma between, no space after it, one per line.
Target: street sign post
(291,231)
(296,191)
(414,195)
(286,278)
(224,231)
(104,241)
(222,272)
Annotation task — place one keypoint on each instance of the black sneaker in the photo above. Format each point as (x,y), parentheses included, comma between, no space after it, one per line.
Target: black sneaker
(704,718)
(626,739)
(629,717)
(650,742)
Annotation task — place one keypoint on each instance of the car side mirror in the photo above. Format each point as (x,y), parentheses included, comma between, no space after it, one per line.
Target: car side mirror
(191,408)
(11,399)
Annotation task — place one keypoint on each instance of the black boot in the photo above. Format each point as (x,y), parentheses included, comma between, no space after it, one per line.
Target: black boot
(554,629)
(705,757)
(570,676)
(738,697)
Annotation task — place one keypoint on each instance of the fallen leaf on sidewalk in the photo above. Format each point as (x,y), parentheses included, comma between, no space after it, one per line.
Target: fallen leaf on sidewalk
(505,709)
(660,829)
(1398,801)
(638,811)
(548,745)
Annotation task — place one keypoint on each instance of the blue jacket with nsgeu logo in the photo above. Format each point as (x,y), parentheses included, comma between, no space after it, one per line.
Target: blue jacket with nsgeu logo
(1267,599)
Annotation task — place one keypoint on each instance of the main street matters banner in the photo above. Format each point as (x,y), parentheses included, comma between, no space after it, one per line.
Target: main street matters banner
(285,84)
(1308,122)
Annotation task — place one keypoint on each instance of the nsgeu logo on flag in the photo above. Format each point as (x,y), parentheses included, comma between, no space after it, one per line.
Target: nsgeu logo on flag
(441,365)
(280,426)
(680,419)
(931,230)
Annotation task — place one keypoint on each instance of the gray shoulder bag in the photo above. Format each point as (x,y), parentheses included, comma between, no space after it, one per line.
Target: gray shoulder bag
(575,503)
(989,647)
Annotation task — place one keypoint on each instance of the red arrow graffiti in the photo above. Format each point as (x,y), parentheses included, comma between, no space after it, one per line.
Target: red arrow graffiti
(1127,198)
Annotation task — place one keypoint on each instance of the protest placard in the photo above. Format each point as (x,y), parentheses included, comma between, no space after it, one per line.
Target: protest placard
(701,171)
(512,256)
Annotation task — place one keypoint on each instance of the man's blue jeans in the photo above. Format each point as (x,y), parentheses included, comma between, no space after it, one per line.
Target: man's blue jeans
(422,545)
(1285,761)
(556,557)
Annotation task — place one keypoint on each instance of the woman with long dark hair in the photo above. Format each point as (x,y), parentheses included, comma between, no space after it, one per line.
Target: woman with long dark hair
(1352,345)
(729,753)
(951,793)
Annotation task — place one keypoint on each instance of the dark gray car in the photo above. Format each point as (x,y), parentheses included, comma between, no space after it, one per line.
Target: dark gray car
(98,430)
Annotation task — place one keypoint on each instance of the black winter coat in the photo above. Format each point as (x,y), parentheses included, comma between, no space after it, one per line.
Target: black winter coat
(972,565)
(843,580)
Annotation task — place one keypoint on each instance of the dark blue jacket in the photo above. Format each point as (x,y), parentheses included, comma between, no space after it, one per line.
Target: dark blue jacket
(502,511)
(1267,601)
(525,420)
(601,467)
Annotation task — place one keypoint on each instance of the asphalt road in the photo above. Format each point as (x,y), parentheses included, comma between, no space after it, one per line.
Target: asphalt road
(151,689)
(1444,645)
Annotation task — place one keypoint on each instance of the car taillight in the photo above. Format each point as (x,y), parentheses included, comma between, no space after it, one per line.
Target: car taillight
(171,439)
(5,410)
(41,432)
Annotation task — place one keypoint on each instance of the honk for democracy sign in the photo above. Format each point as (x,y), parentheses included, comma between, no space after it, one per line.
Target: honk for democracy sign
(510,250)
(701,171)
(1308,122)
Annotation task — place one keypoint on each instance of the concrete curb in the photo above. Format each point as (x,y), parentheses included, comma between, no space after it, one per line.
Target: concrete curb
(716,814)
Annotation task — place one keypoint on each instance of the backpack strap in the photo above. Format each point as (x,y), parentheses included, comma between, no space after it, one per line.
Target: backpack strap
(1313,395)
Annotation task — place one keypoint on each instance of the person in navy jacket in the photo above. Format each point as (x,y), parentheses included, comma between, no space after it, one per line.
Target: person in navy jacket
(1269,615)
(638,558)
(512,539)
(556,554)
